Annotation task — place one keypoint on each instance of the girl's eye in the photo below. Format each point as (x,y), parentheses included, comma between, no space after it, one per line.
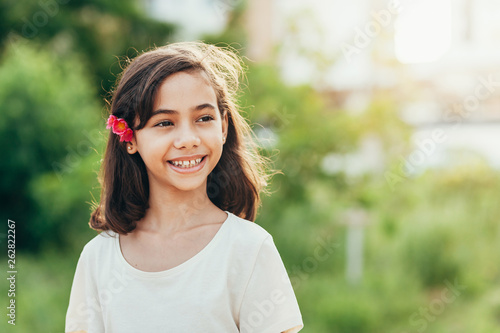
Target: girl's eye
(206,118)
(164,123)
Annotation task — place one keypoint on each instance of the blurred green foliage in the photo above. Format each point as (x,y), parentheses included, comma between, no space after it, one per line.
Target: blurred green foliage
(98,30)
(427,232)
(48,129)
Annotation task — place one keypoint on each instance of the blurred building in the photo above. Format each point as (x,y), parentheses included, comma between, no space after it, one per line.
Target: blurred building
(439,57)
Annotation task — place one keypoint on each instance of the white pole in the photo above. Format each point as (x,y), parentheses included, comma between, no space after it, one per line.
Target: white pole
(356,220)
(354,244)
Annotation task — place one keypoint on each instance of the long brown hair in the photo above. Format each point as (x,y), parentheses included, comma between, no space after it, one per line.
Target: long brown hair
(235,183)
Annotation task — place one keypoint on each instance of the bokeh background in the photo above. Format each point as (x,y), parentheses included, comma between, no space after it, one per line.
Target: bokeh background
(383,117)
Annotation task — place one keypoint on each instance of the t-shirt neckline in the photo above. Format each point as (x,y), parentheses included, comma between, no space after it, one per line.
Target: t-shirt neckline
(179,268)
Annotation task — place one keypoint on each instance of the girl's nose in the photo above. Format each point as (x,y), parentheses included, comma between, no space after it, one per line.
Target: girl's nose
(186,138)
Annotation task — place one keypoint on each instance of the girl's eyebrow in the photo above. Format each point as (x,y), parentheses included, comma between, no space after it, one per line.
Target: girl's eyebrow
(194,108)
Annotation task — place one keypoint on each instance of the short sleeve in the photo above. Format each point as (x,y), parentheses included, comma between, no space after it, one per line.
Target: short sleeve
(269,303)
(84,310)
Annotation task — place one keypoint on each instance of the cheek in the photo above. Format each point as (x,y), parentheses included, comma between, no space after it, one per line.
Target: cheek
(151,146)
(213,138)
(215,130)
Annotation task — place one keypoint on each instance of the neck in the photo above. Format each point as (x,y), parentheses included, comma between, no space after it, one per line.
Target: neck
(175,211)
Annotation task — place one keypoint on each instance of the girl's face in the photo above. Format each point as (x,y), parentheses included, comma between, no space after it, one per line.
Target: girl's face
(182,142)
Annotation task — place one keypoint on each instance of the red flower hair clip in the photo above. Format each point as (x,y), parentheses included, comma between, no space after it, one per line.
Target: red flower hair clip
(120,127)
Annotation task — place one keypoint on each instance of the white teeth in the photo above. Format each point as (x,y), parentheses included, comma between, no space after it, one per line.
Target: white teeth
(186,164)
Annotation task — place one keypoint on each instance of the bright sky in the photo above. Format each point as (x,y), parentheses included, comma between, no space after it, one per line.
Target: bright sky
(195,17)
(422,30)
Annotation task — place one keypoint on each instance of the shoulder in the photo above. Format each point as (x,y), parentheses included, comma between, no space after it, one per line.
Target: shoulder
(99,245)
(245,239)
(246,232)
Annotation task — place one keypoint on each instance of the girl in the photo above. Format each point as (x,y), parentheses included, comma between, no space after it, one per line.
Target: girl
(180,184)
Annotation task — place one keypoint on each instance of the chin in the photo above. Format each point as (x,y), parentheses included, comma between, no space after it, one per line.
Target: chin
(187,186)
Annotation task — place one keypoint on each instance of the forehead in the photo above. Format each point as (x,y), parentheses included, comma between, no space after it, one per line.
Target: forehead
(185,89)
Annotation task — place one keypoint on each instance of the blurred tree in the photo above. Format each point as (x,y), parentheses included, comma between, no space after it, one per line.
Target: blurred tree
(100,30)
(47,129)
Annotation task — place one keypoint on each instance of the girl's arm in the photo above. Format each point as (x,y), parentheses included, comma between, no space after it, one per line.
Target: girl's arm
(84,310)
(269,304)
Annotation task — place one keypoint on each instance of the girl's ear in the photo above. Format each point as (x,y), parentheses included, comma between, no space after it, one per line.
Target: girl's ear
(225,124)
(132,146)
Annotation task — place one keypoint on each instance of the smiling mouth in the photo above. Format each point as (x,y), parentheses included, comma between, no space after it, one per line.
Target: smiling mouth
(187,164)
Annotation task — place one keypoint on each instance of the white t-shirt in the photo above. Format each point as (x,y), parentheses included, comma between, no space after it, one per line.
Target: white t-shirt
(237,283)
